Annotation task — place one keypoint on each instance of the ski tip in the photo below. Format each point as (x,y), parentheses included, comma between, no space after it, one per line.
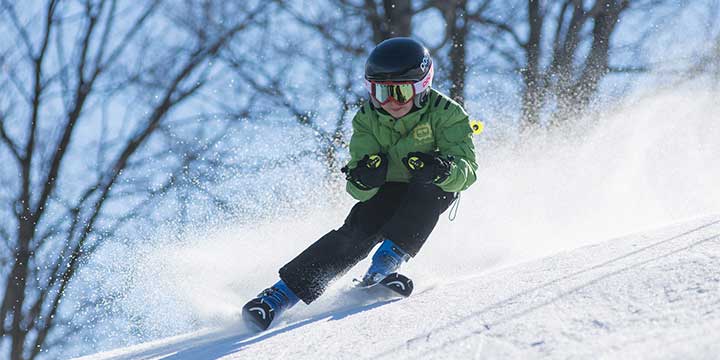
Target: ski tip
(257,315)
(398,283)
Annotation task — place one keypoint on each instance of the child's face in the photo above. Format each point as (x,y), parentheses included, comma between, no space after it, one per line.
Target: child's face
(396,110)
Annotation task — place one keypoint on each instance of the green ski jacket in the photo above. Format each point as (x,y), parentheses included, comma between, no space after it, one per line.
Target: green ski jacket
(440,125)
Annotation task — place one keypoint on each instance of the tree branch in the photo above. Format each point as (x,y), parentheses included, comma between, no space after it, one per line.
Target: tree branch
(82,90)
(20,29)
(8,142)
(324,30)
(505,28)
(127,38)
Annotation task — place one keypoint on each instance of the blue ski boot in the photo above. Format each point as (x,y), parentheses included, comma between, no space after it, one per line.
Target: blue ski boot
(386,261)
(260,311)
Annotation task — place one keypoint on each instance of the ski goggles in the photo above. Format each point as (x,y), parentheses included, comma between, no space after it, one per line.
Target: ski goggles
(400,92)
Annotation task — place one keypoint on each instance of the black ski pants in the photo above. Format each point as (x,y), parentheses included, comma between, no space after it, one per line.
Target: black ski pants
(404,213)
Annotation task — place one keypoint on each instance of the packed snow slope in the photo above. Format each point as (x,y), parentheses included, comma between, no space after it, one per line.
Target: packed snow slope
(654,294)
(485,283)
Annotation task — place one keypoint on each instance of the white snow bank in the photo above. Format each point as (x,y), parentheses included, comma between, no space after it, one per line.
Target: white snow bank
(650,295)
(651,162)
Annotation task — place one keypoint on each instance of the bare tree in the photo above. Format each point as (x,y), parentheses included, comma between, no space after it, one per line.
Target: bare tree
(458,17)
(63,163)
(562,50)
(706,61)
(334,65)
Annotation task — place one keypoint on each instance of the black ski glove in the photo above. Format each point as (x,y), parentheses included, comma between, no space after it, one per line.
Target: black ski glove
(369,173)
(428,168)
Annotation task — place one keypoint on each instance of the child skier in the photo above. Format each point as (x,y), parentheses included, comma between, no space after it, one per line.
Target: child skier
(411,153)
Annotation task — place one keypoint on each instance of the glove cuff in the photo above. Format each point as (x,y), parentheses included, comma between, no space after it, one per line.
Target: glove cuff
(358,184)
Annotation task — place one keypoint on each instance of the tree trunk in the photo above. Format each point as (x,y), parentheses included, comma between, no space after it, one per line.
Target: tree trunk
(398,18)
(533,93)
(456,26)
(16,286)
(395,21)
(573,99)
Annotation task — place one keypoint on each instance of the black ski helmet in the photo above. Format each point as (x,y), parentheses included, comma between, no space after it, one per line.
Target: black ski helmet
(401,59)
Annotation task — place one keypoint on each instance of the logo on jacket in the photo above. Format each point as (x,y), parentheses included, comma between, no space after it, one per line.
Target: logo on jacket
(422,133)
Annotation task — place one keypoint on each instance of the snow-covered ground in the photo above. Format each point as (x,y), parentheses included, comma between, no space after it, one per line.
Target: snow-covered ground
(537,264)
(654,294)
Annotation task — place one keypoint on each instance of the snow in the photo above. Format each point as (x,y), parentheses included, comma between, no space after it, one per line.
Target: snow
(538,263)
(653,294)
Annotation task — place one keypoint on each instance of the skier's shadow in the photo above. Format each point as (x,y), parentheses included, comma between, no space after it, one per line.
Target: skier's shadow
(235,343)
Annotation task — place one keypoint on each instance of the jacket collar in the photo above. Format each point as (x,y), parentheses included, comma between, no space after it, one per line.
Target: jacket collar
(404,124)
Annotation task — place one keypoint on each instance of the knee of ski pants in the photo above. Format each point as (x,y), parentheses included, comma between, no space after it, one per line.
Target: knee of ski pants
(362,224)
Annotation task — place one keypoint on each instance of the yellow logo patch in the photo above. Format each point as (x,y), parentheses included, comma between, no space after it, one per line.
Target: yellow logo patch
(422,133)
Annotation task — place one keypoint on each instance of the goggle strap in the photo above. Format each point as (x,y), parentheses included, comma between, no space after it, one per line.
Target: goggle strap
(425,83)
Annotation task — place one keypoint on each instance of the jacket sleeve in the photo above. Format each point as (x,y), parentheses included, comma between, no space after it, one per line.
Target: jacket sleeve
(362,143)
(454,137)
